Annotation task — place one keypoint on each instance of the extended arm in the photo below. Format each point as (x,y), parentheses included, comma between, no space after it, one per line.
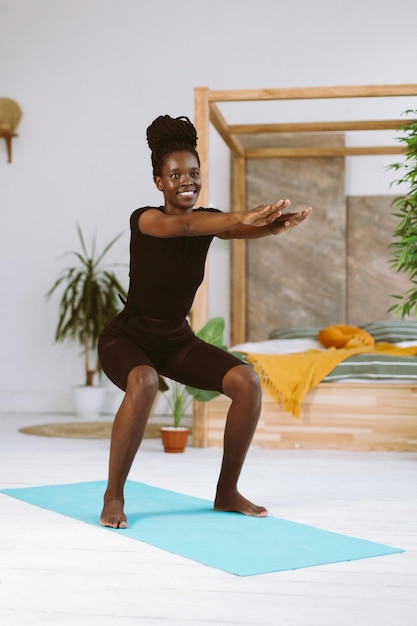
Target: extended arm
(157,224)
(275,226)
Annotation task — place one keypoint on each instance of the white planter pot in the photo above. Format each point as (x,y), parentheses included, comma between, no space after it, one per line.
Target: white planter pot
(88,401)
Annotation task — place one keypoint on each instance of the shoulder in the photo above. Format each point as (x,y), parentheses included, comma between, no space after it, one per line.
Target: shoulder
(138,212)
(134,218)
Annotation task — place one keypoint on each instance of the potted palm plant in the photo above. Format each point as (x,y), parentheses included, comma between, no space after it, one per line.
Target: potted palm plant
(174,438)
(88,301)
(403,250)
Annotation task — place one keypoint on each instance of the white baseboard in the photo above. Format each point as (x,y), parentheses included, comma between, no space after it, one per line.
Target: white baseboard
(61,402)
(58,402)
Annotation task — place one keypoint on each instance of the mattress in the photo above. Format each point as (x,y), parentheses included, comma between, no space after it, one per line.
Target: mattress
(356,368)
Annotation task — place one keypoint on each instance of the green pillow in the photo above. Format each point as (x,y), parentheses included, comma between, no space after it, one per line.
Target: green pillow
(295,332)
(374,367)
(391,331)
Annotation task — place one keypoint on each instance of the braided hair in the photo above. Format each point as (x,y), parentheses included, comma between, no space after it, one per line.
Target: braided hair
(167,135)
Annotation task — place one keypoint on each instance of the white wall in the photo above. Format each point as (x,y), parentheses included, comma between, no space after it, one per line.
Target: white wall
(90,75)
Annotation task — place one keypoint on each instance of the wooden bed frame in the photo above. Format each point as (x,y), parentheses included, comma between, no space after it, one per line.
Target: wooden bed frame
(349,416)
(361,416)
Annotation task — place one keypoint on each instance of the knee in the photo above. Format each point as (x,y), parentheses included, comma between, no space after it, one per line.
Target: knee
(242,381)
(142,380)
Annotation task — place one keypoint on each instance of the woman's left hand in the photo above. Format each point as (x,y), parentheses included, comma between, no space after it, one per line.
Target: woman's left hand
(288,220)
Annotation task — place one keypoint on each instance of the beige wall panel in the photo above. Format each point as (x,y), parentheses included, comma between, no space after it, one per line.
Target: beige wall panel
(298,278)
(370,278)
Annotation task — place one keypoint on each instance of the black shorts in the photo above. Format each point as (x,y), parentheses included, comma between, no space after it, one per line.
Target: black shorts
(170,347)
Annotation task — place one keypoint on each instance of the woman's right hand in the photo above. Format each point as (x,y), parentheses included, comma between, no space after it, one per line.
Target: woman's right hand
(264,214)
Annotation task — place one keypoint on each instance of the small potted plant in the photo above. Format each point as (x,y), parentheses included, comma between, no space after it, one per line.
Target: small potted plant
(403,250)
(175,437)
(89,300)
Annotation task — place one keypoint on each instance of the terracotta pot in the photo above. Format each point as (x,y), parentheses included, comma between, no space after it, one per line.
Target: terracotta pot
(174,439)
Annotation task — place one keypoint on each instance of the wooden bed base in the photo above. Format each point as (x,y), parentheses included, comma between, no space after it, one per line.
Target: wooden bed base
(344,416)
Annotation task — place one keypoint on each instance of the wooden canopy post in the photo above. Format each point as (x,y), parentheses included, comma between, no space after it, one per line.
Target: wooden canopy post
(201,121)
(238,270)
(199,313)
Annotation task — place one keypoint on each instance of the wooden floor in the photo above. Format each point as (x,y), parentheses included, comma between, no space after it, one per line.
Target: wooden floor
(58,571)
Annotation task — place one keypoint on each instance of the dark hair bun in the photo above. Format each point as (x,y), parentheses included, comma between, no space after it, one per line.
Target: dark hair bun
(168,134)
(168,131)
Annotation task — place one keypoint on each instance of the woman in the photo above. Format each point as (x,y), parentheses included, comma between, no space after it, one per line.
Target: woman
(168,249)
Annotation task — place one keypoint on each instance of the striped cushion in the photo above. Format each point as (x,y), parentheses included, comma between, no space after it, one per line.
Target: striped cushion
(295,332)
(392,331)
(374,366)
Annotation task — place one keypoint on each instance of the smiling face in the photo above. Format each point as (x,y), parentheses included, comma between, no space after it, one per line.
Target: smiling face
(180,181)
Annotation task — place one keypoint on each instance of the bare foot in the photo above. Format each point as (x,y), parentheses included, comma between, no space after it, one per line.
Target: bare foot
(238,504)
(112,514)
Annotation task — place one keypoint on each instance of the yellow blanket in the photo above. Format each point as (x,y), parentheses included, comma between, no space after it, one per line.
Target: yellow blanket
(289,377)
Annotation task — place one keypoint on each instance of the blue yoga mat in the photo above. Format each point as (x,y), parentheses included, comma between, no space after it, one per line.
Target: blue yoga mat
(190,527)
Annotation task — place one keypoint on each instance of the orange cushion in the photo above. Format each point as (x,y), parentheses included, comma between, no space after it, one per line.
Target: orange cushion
(343,336)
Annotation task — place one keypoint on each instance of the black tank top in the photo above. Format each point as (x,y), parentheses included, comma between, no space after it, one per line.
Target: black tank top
(164,273)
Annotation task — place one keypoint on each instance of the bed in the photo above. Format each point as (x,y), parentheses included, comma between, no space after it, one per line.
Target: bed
(367,402)
(340,276)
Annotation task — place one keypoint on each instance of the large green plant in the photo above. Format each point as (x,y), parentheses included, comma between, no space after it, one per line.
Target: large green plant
(403,250)
(88,302)
(180,395)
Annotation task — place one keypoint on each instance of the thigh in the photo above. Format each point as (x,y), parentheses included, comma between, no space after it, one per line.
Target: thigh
(201,365)
(118,355)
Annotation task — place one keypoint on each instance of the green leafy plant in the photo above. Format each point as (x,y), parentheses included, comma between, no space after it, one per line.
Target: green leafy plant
(89,301)
(180,396)
(403,250)
(179,400)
